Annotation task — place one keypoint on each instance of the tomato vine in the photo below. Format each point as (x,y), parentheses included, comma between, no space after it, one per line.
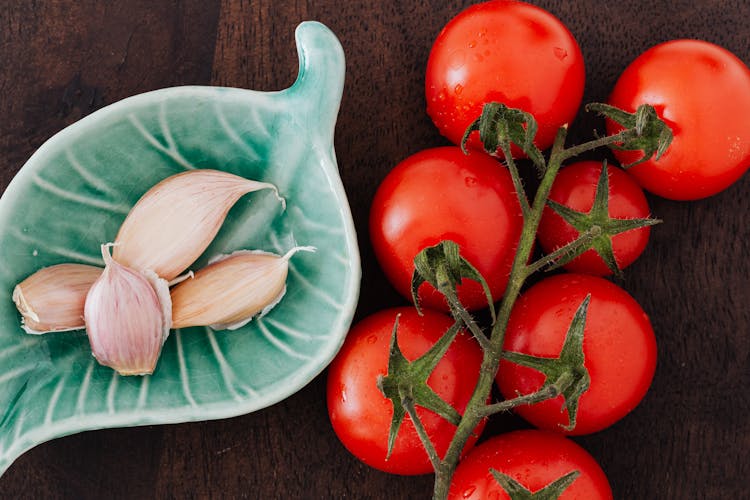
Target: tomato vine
(444,268)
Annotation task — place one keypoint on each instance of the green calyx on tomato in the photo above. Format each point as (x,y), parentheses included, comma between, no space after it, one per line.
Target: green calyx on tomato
(598,223)
(645,131)
(576,188)
(405,385)
(566,372)
(517,491)
(499,126)
(443,267)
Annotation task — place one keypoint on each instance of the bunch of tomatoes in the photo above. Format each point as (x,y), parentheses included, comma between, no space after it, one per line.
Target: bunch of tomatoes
(521,55)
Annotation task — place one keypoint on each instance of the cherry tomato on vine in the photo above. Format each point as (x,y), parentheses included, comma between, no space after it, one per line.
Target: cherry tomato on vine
(575,187)
(702,91)
(533,458)
(619,350)
(509,52)
(361,415)
(443,194)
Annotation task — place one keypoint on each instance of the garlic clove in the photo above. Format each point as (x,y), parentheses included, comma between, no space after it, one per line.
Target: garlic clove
(231,290)
(128,316)
(52,299)
(175,221)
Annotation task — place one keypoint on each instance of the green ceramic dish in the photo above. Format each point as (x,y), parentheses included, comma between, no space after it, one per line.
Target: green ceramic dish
(74,192)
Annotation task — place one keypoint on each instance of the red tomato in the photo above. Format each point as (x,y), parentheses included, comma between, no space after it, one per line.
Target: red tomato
(509,52)
(361,415)
(618,346)
(534,459)
(702,91)
(443,194)
(575,187)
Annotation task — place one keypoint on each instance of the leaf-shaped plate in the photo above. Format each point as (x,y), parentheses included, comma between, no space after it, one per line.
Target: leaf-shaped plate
(76,190)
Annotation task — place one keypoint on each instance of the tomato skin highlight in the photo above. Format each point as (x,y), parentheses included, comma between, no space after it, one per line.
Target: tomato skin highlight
(504,51)
(619,349)
(575,187)
(443,194)
(361,415)
(702,91)
(534,459)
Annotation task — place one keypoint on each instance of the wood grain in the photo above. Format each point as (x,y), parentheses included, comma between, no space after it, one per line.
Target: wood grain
(690,438)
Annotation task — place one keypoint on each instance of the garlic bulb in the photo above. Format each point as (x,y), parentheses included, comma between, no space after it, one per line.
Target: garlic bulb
(128,316)
(175,221)
(51,299)
(229,292)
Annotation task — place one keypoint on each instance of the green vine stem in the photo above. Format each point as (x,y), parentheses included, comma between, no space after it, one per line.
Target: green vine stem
(475,409)
(442,266)
(549,392)
(643,131)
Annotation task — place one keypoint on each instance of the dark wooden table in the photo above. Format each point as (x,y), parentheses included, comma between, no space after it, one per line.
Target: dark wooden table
(690,437)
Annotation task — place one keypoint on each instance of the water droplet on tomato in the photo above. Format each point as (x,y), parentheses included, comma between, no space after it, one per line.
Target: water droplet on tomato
(560,53)
(469,491)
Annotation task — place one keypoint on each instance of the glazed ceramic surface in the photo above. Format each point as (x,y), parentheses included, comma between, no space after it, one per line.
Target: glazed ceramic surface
(75,191)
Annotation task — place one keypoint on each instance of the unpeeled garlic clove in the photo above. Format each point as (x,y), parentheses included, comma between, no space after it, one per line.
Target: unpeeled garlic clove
(230,291)
(175,221)
(128,316)
(52,299)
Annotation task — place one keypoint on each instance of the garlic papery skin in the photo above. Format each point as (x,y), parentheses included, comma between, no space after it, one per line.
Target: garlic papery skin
(230,291)
(128,316)
(175,221)
(52,299)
